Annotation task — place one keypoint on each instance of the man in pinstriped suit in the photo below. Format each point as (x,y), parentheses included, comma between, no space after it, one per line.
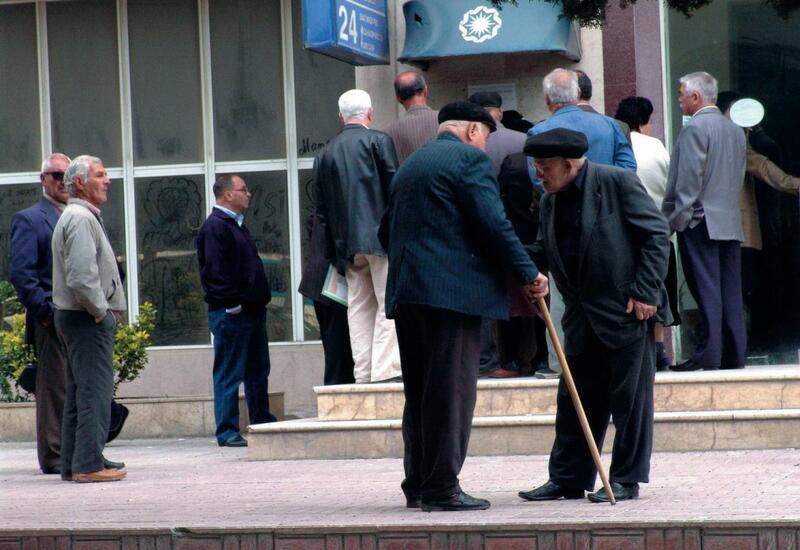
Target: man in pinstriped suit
(448,243)
(419,124)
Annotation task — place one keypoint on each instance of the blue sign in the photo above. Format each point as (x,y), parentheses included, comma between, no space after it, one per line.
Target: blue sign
(354,31)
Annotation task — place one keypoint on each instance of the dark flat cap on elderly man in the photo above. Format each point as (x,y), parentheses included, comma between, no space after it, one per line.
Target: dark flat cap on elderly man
(559,142)
(464,110)
(487,99)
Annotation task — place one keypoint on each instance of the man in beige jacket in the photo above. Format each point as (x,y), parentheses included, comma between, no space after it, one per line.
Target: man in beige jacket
(89,301)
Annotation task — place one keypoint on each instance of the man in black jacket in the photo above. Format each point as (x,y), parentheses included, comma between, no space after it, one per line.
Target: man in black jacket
(606,246)
(351,183)
(237,293)
(450,250)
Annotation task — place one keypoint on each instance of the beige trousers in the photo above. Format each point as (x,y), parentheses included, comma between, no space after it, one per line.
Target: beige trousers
(372,336)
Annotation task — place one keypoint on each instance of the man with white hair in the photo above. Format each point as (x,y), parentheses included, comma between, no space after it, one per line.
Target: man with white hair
(704,185)
(351,184)
(89,301)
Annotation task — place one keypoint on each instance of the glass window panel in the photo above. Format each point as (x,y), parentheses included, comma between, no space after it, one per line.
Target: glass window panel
(267,219)
(328,78)
(84,122)
(13,198)
(247,77)
(114,220)
(306,180)
(165,82)
(750,49)
(169,213)
(20,141)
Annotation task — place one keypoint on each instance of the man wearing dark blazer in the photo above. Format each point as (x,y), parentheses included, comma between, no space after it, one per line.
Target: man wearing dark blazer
(31,271)
(702,204)
(606,245)
(449,242)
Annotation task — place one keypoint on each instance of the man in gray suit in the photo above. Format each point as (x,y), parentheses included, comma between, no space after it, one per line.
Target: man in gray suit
(502,142)
(89,301)
(702,205)
(420,123)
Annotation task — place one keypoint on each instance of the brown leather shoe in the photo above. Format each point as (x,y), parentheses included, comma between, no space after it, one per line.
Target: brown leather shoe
(503,373)
(100,475)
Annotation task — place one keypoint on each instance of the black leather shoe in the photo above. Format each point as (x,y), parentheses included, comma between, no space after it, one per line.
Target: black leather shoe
(413,502)
(686,366)
(111,465)
(235,441)
(622,491)
(460,501)
(551,491)
(52,470)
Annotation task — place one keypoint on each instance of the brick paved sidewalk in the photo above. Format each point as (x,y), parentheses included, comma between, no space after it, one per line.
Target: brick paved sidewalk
(195,484)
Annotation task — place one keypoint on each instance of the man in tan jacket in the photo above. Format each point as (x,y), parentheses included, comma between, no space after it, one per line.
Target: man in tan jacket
(89,301)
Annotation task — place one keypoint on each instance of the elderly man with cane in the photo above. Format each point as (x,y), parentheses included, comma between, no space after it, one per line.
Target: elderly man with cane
(606,246)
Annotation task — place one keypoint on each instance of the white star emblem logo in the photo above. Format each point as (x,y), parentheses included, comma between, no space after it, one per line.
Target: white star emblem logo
(480,24)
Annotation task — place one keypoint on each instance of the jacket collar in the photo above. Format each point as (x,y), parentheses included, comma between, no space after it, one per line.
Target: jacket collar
(49,211)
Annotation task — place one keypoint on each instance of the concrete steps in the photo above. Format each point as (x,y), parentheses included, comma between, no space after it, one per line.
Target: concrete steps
(756,408)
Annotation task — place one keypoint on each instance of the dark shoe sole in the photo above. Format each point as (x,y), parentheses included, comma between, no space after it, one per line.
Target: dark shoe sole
(566,496)
(450,508)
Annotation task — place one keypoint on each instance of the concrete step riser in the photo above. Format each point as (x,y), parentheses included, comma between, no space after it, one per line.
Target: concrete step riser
(149,418)
(491,440)
(541,399)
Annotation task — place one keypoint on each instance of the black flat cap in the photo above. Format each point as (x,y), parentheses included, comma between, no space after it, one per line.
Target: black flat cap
(558,142)
(486,99)
(464,110)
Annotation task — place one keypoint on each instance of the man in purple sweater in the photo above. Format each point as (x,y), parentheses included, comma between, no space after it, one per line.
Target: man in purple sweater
(237,293)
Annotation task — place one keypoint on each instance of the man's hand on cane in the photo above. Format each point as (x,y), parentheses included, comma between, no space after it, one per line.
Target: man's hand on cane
(537,288)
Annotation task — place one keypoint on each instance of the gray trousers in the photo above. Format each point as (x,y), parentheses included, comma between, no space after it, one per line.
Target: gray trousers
(89,385)
(49,395)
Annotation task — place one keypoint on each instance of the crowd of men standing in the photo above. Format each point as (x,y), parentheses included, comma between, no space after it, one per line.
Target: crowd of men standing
(449,230)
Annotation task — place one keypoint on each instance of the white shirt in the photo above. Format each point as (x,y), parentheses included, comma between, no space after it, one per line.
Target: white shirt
(652,161)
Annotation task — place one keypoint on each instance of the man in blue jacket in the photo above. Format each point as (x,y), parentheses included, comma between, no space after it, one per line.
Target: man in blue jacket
(450,248)
(237,293)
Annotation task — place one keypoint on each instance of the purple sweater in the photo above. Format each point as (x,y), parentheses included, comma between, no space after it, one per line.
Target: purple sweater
(231,271)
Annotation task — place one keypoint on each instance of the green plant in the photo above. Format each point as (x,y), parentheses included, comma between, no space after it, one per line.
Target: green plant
(130,345)
(14,355)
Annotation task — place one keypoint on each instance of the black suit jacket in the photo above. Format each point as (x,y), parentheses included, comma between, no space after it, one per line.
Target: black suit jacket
(624,250)
(351,186)
(449,240)
(31,266)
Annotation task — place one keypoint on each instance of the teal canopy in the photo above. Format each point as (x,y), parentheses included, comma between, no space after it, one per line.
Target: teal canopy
(437,29)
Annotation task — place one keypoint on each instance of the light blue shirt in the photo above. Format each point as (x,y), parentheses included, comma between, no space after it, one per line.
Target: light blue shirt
(607,143)
(239,218)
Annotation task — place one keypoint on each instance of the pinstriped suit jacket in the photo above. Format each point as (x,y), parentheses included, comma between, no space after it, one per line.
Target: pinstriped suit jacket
(450,243)
(415,128)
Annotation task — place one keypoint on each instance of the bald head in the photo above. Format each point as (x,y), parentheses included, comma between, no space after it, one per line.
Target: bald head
(410,89)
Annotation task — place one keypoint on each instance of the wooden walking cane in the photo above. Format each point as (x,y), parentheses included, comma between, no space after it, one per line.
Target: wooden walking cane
(576,400)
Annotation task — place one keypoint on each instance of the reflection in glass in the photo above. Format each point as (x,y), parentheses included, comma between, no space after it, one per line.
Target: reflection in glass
(247,78)
(267,219)
(753,51)
(306,182)
(84,122)
(15,198)
(169,213)
(165,82)
(317,112)
(20,143)
(114,220)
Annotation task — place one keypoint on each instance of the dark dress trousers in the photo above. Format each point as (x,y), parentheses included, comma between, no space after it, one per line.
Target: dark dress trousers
(448,241)
(232,274)
(31,272)
(332,316)
(604,241)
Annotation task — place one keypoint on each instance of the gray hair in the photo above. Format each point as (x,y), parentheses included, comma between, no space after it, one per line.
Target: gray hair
(78,168)
(452,124)
(47,164)
(702,83)
(354,103)
(561,87)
